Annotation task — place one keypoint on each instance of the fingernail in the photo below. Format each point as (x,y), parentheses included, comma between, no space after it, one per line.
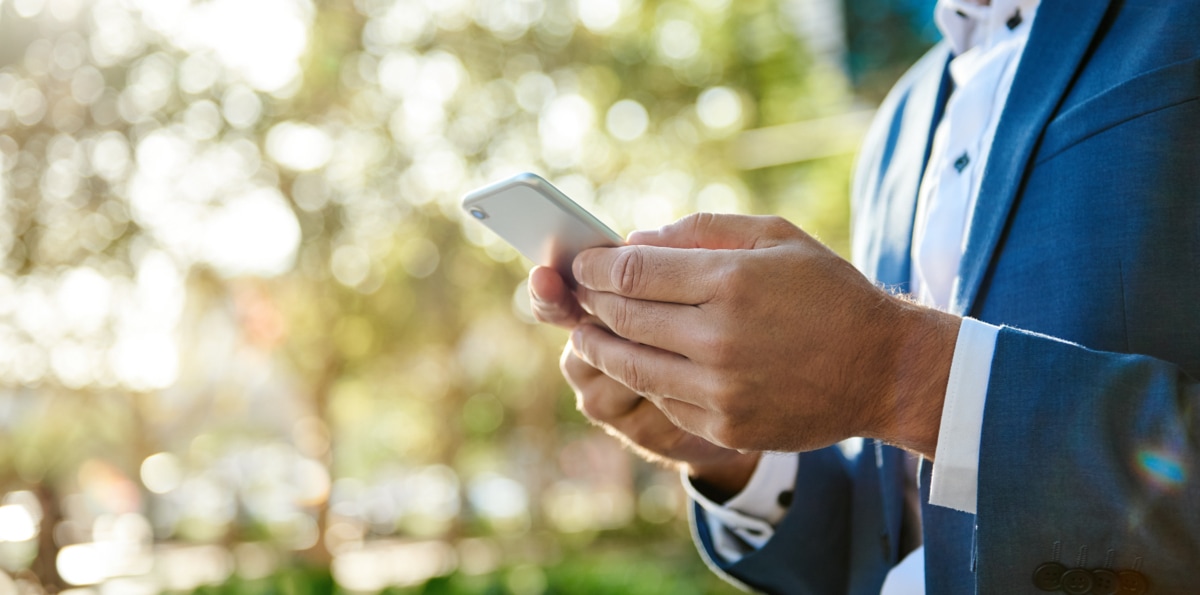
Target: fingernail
(577,270)
(640,236)
(536,298)
(577,340)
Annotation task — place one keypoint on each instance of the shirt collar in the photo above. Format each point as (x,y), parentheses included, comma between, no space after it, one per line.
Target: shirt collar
(968,23)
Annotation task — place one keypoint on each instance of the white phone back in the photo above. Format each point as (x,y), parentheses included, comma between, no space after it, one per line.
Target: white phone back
(539,221)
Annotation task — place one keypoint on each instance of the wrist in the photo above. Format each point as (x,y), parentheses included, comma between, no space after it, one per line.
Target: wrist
(921,350)
(721,479)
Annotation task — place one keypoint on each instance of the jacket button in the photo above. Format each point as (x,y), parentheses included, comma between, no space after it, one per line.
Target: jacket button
(1133,583)
(785,498)
(1077,581)
(1048,576)
(1106,582)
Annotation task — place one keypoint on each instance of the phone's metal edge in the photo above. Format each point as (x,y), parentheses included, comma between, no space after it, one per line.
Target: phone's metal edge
(524,178)
(560,199)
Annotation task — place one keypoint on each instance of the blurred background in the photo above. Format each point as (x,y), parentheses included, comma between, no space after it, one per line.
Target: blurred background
(249,343)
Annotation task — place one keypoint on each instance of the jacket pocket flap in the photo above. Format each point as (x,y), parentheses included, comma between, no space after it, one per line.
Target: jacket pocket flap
(1147,93)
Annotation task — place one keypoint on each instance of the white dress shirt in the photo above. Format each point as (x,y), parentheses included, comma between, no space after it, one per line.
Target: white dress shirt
(988,43)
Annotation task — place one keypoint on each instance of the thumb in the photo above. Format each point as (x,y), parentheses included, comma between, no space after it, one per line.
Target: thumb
(718,232)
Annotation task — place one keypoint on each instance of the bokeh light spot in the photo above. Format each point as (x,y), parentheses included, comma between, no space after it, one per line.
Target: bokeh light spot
(678,40)
(162,472)
(253,234)
(350,265)
(241,107)
(16,524)
(598,15)
(627,120)
(261,40)
(299,146)
(1163,469)
(719,108)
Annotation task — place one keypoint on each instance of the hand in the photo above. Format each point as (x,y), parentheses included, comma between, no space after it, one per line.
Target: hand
(631,418)
(763,339)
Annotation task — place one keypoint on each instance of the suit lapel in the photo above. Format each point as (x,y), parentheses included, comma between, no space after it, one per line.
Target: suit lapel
(1062,33)
(891,199)
(888,247)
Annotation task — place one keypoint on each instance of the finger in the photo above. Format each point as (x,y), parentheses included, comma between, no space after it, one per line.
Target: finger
(647,371)
(670,327)
(688,417)
(658,429)
(640,422)
(550,299)
(650,273)
(718,232)
(606,401)
(609,403)
(600,398)
(646,424)
(577,372)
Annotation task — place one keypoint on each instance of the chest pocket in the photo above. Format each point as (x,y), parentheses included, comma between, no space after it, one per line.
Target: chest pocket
(1148,93)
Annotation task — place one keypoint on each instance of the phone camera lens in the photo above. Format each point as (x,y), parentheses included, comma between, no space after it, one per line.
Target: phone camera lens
(478,213)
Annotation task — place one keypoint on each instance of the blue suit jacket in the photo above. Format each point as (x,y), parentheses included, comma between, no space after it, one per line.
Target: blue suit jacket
(1086,237)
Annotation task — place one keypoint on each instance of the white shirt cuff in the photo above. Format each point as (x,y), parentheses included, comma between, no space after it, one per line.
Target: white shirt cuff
(907,577)
(955,482)
(747,521)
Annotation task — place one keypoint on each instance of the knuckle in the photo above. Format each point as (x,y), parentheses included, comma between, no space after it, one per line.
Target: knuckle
(579,344)
(632,426)
(729,399)
(778,226)
(622,317)
(588,406)
(627,273)
(732,277)
(720,349)
(637,435)
(565,359)
(566,366)
(694,221)
(737,434)
(573,369)
(671,411)
(633,377)
(727,434)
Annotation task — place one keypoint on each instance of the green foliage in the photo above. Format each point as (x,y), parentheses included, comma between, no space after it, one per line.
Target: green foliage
(291,581)
(230,235)
(612,568)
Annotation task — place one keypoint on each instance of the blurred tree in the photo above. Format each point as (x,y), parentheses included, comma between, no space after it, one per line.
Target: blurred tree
(240,305)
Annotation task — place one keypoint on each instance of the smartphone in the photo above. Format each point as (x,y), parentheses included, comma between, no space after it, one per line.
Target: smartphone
(539,221)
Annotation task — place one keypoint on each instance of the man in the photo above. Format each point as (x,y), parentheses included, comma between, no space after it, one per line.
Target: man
(1034,182)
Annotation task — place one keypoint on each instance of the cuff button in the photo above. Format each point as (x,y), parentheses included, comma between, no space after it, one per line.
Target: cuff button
(1133,583)
(1106,582)
(1048,576)
(1077,581)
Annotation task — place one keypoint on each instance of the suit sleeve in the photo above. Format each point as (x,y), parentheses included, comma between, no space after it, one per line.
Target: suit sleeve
(1088,459)
(811,550)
